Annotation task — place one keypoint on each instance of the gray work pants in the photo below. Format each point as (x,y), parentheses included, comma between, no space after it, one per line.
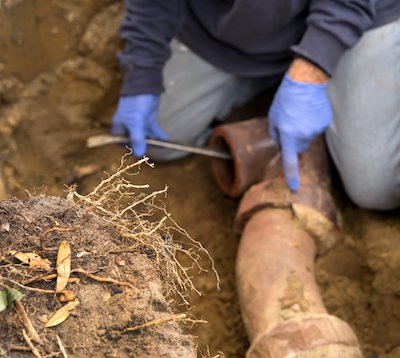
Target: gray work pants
(196,93)
(364,139)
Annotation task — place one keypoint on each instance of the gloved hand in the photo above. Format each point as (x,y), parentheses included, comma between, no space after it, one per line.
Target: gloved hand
(299,112)
(137,116)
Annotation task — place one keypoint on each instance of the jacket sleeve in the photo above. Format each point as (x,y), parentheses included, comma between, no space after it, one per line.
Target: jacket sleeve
(147,28)
(333,26)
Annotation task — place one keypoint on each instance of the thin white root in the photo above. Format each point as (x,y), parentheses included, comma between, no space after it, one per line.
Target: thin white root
(62,349)
(24,317)
(118,201)
(157,322)
(34,350)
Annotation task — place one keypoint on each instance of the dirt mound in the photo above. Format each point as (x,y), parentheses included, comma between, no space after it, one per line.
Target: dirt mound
(118,282)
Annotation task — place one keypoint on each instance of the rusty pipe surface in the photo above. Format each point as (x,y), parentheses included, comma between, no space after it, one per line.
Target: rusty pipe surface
(313,206)
(274,271)
(281,233)
(251,149)
(281,306)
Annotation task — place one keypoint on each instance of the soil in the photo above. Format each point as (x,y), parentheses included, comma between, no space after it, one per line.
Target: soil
(98,325)
(59,85)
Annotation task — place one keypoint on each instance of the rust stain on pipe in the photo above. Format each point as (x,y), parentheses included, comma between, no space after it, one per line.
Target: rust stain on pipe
(312,206)
(282,232)
(272,251)
(281,306)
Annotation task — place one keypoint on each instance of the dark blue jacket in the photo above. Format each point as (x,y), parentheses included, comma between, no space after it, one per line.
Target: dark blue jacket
(244,37)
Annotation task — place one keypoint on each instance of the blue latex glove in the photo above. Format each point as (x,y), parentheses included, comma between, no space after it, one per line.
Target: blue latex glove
(299,113)
(136,116)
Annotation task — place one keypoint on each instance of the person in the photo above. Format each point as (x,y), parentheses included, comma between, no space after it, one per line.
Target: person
(336,62)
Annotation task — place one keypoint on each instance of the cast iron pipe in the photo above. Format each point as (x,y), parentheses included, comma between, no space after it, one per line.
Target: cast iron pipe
(281,307)
(251,149)
(282,232)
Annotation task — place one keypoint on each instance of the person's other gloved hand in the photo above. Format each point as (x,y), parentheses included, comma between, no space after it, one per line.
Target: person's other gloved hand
(137,116)
(299,112)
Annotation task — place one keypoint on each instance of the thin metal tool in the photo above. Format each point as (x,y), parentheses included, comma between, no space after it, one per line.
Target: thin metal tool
(104,139)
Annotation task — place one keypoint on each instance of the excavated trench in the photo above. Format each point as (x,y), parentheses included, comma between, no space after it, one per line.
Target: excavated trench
(59,85)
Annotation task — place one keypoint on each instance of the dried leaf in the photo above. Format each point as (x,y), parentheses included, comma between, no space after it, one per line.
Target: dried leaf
(26,257)
(43,264)
(33,260)
(62,314)
(63,265)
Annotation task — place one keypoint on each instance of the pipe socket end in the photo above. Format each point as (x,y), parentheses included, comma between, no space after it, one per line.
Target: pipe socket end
(307,336)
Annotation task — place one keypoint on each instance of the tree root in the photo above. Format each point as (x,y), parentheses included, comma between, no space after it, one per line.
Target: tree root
(23,316)
(34,350)
(33,289)
(156,322)
(102,279)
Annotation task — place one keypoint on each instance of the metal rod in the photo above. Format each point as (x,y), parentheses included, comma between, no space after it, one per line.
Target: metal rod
(101,140)
(191,149)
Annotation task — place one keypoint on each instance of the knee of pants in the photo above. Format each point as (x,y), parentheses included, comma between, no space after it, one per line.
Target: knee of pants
(375,192)
(370,177)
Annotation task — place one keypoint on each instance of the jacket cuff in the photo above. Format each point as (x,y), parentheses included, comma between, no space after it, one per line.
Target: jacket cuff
(141,80)
(320,47)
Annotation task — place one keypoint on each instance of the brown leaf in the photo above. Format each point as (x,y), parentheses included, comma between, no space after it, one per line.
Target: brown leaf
(62,314)
(63,265)
(33,260)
